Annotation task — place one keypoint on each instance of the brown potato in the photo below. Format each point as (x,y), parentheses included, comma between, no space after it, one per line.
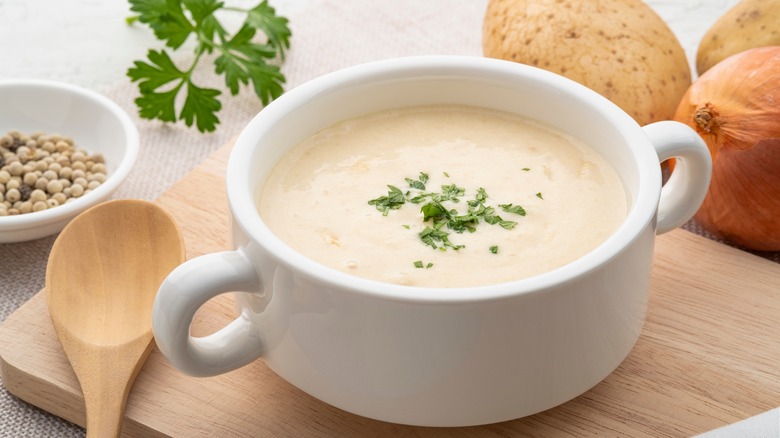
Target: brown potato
(749,24)
(620,48)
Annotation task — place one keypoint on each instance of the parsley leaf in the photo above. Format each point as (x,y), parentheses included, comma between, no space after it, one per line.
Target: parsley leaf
(166,18)
(201,104)
(393,201)
(243,58)
(510,208)
(263,17)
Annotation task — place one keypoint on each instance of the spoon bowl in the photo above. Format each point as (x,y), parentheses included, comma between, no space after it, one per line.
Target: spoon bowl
(102,276)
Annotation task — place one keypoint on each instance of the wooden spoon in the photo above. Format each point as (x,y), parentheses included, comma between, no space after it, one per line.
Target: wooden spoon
(101,280)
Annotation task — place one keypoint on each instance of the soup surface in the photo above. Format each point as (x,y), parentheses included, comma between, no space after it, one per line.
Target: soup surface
(442,196)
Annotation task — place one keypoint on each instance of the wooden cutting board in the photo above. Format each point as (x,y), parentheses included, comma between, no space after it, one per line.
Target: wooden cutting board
(709,355)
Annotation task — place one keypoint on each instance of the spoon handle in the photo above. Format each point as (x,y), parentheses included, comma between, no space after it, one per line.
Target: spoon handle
(106,381)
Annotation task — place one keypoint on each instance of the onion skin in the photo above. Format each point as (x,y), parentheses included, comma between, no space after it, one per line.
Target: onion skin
(735,107)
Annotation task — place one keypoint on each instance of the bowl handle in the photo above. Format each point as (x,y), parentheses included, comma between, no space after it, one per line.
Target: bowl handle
(183,292)
(686,188)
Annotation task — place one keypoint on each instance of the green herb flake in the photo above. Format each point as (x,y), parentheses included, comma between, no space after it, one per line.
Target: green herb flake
(393,201)
(525,169)
(511,208)
(539,195)
(494,249)
(406,226)
(420,265)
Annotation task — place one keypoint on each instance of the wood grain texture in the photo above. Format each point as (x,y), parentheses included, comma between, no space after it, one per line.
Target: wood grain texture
(102,276)
(709,355)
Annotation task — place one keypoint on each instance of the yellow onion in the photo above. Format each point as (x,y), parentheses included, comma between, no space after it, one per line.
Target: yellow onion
(735,107)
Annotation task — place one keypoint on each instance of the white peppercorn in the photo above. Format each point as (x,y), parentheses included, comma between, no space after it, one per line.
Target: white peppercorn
(78,165)
(78,173)
(97,177)
(99,168)
(41,183)
(37,195)
(54,186)
(40,206)
(51,203)
(4,176)
(13,211)
(50,175)
(23,152)
(66,172)
(26,207)
(80,181)
(61,146)
(30,178)
(14,183)
(63,161)
(93,185)
(15,168)
(13,195)
(76,190)
(59,197)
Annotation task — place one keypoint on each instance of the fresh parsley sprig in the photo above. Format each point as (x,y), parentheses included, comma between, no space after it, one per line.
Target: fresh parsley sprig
(243,58)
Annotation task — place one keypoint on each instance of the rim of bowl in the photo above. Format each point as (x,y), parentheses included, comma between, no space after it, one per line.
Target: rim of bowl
(132,145)
(246,216)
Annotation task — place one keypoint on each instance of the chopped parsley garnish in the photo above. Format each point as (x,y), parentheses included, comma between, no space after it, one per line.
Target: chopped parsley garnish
(439,219)
(539,195)
(393,201)
(419,265)
(510,208)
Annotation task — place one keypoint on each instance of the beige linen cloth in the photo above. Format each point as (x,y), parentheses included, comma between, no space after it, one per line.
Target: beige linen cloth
(328,35)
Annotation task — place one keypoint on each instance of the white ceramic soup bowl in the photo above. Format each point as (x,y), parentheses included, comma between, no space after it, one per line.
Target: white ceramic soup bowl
(95,123)
(424,356)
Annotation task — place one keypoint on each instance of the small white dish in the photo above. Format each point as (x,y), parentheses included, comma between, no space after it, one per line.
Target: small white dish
(96,124)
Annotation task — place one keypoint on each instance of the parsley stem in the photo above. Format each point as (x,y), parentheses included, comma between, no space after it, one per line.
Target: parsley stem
(235,9)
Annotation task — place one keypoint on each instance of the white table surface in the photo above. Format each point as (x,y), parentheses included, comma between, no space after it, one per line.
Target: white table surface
(88,43)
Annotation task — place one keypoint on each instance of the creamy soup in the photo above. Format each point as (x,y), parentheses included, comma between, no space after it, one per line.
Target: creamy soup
(505,197)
